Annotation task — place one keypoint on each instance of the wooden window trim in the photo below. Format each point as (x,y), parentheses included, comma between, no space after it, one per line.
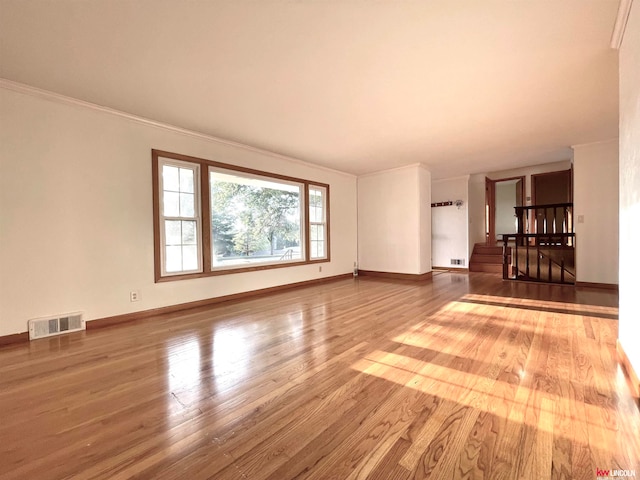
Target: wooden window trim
(205,212)
(325,223)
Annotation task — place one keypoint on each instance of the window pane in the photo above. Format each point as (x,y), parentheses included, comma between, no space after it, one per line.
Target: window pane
(173,260)
(179,216)
(186,180)
(316,205)
(171,204)
(317,241)
(188,233)
(170,178)
(187,205)
(190,257)
(172,235)
(254,219)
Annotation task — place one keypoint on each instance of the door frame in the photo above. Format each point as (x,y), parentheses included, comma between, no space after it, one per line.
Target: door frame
(490,204)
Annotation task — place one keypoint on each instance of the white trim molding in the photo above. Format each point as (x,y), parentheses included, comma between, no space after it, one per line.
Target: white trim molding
(394,169)
(621,23)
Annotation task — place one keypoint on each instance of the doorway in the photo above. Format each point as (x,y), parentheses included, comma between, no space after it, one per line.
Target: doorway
(502,196)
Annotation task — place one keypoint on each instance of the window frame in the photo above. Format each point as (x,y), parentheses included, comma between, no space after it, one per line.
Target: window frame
(197,216)
(324,223)
(204,208)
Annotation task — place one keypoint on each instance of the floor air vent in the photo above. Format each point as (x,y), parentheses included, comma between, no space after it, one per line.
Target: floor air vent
(50,326)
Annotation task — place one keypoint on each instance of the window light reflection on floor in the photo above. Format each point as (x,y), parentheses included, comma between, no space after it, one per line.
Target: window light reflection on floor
(483,392)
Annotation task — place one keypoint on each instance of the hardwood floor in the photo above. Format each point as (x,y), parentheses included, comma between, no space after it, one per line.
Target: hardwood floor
(461,376)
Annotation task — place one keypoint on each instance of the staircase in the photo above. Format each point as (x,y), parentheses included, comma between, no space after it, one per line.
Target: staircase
(544,247)
(548,258)
(486,258)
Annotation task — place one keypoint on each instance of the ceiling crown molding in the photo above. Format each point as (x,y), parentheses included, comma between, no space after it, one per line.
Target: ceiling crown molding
(65,100)
(621,23)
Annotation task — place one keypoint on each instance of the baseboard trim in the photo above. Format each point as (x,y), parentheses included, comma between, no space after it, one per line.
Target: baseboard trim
(630,373)
(451,269)
(604,286)
(14,338)
(398,276)
(130,317)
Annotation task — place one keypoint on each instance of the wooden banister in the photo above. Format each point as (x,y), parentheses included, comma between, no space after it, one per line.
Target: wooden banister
(546,233)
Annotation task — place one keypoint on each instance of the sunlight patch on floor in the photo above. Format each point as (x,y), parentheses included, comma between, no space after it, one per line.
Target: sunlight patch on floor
(528,406)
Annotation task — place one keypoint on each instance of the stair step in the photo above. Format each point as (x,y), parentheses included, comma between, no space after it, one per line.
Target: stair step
(485,267)
(487,249)
(487,258)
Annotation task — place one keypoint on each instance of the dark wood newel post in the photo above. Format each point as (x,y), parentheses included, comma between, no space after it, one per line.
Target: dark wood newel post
(505,258)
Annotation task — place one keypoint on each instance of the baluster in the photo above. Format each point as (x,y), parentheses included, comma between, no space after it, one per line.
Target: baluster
(505,267)
(537,240)
(516,255)
(549,256)
(527,253)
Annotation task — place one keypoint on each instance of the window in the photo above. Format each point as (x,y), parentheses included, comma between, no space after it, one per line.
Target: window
(180,221)
(254,220)
(317,221)
(211,218)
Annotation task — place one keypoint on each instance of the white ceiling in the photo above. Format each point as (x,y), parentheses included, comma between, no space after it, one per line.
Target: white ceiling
(464,86)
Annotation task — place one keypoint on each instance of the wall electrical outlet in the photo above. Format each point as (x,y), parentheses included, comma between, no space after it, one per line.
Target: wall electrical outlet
(134,296)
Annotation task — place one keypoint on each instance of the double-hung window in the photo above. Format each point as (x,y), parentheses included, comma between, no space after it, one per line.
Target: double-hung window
(213,218)
(318,221)
(180,229)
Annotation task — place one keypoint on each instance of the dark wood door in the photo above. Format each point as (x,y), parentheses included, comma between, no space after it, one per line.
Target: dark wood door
(551,188)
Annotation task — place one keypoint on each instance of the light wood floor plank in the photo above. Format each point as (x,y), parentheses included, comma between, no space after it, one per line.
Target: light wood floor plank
(463,376)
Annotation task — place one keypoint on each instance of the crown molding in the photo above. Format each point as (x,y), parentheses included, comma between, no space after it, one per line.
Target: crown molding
(457,177)
(65,100)
(624,7)
(599,142)
(395,169)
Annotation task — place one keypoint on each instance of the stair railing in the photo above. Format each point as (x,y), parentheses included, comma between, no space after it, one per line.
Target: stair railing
(544,232)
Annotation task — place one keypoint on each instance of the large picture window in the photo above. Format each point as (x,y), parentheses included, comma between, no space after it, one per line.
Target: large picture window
(212,218)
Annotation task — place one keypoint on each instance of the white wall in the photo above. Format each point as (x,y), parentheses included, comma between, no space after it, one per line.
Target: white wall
(76,213)
(424,188)
(629,324)
(595,198)
(476,204)
(449,225)
(393,227)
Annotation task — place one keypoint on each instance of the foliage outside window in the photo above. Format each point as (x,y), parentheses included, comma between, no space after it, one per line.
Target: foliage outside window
(212,218)
(254,220)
